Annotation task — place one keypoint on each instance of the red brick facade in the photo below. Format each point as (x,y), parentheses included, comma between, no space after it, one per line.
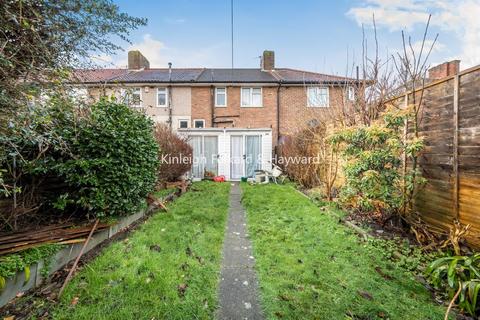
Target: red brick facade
(444,70)
(293,110)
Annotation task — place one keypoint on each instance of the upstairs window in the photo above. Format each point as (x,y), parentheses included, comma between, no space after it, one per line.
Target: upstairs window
(220,97)
(199,123)
(351,93)
(162,97)
(251,97)
(132,97)
(317,97)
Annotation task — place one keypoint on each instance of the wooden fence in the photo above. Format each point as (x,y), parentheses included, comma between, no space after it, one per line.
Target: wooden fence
(449,122)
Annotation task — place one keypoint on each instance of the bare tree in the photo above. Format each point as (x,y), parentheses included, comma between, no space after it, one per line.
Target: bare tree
(412,67)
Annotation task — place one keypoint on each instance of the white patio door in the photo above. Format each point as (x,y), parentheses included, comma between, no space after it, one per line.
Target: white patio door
(236,157)
(205,155)
(253,155)
(245,155)
(210,152)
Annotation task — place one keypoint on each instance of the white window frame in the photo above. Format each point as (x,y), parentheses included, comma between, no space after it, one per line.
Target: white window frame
(350,93)
(216,97)
(166,97)
(125,91)
(309,104)
(195,120)
(251,97)
(188,123)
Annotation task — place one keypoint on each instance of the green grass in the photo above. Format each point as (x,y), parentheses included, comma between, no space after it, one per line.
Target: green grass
(164,192)
(139,278)
(312,267)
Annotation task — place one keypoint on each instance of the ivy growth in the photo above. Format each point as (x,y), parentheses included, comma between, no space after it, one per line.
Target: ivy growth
(12,263)
(404,255)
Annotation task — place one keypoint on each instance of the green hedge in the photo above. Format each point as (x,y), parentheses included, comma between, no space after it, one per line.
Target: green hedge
(95,160)
(115,161)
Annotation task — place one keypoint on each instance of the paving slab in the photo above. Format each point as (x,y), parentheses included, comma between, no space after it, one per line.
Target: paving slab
(238,290)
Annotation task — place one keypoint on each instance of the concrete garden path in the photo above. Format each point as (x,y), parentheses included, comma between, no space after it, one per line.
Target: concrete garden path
(238,290)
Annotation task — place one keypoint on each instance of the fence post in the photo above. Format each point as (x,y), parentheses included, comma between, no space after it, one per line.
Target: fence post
(456,95)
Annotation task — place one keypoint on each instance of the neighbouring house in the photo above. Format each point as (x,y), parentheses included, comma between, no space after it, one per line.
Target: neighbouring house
(223,110)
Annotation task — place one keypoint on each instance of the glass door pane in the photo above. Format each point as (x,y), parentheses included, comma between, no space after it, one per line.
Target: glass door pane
(236,157)
(253,159)
(210,153)
(197,167)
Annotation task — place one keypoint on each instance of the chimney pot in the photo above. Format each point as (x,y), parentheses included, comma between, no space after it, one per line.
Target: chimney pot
(136,60)
(268,60)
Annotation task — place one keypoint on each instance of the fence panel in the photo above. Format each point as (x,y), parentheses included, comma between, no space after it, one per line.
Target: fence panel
(450,125)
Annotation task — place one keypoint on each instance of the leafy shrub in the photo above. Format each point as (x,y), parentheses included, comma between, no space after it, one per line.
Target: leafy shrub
(458,273)
(115,161)
(93,160)
(175,156)
(373,159)
(31,144)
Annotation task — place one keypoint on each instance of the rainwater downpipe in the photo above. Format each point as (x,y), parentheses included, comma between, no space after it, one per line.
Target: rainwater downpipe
(169,89)
(278,110)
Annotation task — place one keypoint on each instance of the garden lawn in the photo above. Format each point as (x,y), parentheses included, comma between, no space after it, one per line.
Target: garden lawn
(312,267)
(168,269)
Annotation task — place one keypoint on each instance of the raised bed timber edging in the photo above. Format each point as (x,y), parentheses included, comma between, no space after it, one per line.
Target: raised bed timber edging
(17,284)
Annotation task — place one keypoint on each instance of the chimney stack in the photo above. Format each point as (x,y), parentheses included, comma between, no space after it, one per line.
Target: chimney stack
(137,61)
(268,60)
(443,70)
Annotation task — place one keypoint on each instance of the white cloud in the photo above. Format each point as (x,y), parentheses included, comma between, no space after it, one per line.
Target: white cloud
(159,54)
(459,17)
(151,48)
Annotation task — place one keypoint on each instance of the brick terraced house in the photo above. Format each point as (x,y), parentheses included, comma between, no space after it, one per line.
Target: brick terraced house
(228,113)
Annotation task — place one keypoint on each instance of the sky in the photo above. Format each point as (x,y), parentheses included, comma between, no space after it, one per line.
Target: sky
(314,35)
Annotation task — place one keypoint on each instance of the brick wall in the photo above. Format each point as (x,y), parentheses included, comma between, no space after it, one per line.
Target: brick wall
(233,115)
(295,114)
(443,70)
(202,105)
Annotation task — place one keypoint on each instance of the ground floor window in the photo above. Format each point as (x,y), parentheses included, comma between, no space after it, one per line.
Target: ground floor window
(199,123)
(183,124)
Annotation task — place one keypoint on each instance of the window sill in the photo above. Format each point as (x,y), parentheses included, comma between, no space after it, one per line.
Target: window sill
(251,106)
(220,106)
